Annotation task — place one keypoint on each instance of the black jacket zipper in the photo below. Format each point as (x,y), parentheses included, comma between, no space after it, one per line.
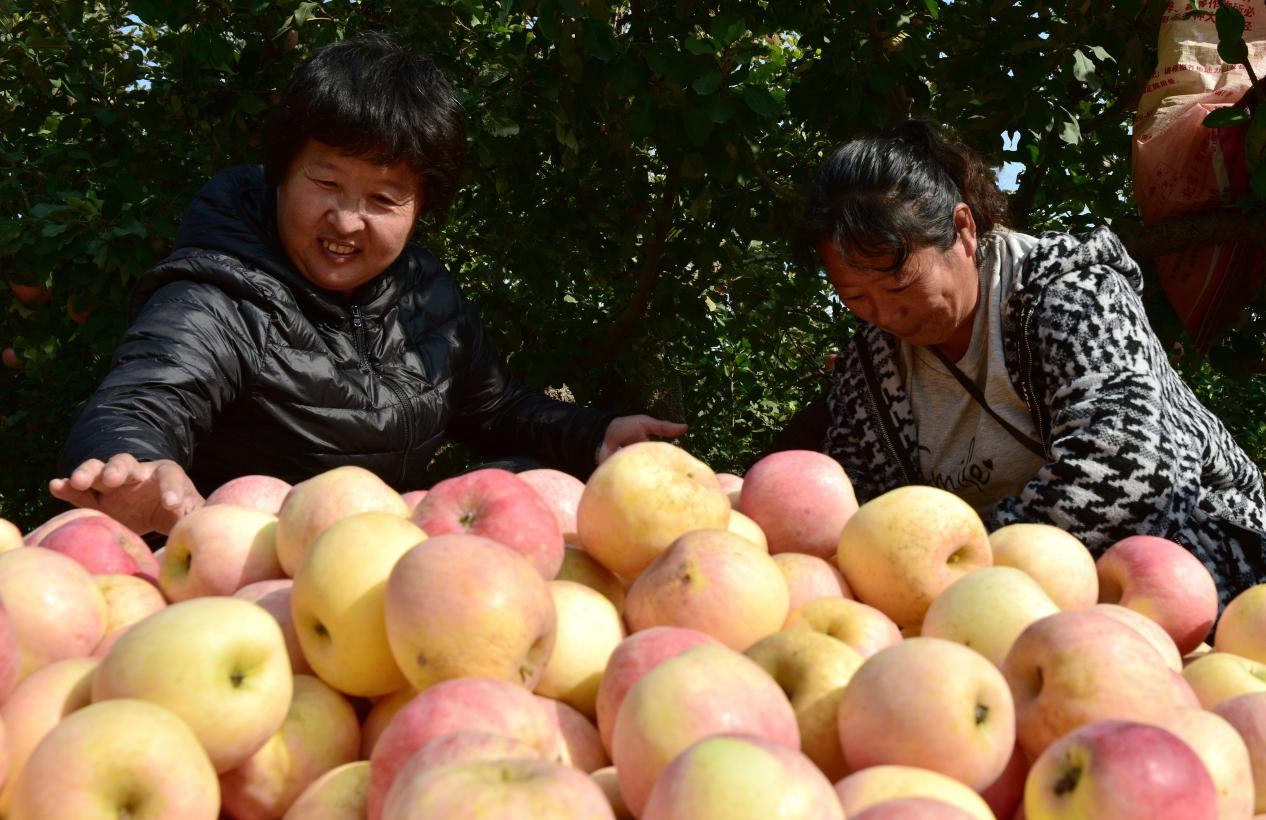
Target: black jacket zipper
(358,327)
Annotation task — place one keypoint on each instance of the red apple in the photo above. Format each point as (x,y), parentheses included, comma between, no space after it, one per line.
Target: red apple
(412,497)
(1247,714)
(92,543)
(801,499)
(10,358)
(561,491)
(582,745)
(129,541)
(1122,770)
(30,295)
(1006,793)
(809,578)
(262,492)
(499,505)
(1163,581)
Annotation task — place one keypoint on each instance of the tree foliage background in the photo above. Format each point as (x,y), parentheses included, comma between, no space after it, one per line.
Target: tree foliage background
(635,170)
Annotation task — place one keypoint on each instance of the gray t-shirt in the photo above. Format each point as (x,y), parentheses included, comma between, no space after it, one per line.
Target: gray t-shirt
(962,448)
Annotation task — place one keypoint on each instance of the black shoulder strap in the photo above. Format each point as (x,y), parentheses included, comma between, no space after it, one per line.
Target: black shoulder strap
(1027,442)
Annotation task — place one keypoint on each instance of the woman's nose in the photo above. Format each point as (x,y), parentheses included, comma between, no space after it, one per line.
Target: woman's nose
(346,217)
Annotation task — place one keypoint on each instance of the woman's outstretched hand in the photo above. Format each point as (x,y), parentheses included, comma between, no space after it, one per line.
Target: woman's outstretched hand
(627,430)
(146,496)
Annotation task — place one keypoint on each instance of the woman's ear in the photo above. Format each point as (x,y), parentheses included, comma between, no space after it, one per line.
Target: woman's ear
(965,227)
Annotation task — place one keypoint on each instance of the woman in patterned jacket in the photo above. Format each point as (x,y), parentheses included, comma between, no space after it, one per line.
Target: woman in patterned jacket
(1018,372)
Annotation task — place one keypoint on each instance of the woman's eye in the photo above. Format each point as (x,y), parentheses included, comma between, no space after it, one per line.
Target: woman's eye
(324,183)
(385,201)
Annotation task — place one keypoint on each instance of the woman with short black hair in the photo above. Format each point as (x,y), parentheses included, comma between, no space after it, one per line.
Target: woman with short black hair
(294,329)
(1018,372)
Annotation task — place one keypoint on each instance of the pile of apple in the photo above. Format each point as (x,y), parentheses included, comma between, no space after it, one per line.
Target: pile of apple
(659,642)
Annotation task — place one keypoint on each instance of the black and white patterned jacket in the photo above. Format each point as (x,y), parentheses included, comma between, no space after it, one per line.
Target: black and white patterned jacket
(1130,449)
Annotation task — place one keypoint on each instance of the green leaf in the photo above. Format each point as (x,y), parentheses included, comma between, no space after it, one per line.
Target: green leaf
(54,229)
(726,28)
(934,9)
(599,41)
(1102,54)
(707,80)
(641,116)
(698,126)
(574,8)
(761,101)
(722,108)
(1225,117)
(303,13)
(1070,130)
(1084,68)
(696,46)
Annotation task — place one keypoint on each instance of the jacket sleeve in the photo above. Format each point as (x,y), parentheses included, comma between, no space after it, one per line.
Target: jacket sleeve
(496,416)
(180,362)
(1117,467)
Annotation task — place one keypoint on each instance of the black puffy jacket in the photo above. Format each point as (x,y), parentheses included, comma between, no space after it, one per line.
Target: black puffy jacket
(235,364)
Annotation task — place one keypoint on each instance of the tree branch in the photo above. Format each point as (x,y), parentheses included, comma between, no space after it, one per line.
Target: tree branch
(622,324)
(1182,233)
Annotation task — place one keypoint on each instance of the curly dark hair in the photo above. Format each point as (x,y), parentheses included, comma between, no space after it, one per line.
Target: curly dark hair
(372,98)
(890,196)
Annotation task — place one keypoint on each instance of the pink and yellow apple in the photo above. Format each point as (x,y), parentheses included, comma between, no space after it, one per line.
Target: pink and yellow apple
(379,718)
(1145,626)
(1119,769)
(274,596)
(338,601)
(319,733)
(862,627)
(1247,715)
(464,747)
(10,535)
(459,605)
(497,505)
(93,543)
(1242,627)
(1054,558)
(634,657)
(589,629)
(37,705)
(735,776)
(217,663)
(809,578)
(1219,676)
(121,758)
(933,704)
(261,492)
(10,655)
(478,704)
(704,691)
(712,581)
(1225,755)
(497,788)
(218,550)
(131,543)
(813,670)
(914,808)
(801,499)
(1165,582)
(1073,668)
(53,605)
(582,745)
(731,485)
(313,505)
(901,549)
(641,499)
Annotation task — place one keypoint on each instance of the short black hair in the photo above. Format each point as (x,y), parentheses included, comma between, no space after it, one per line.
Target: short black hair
(372,98)
(892,195)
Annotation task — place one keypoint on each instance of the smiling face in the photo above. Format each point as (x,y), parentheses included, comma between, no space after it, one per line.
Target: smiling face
(343,219)
(929,301)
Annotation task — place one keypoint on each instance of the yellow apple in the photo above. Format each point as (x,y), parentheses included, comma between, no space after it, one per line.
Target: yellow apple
(987,610)
(643,498)
(1241,629)
(578,566)
(589,630)
(1054,558)
(10,535)
(313,505)
(338,601)
(745,527)
(813,670)
(128,599)
(901,549)
(342,793)
(217,663)
(740,777)
(1219,676)
(862,627)
(380,715)
(122,758)
(319,733)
